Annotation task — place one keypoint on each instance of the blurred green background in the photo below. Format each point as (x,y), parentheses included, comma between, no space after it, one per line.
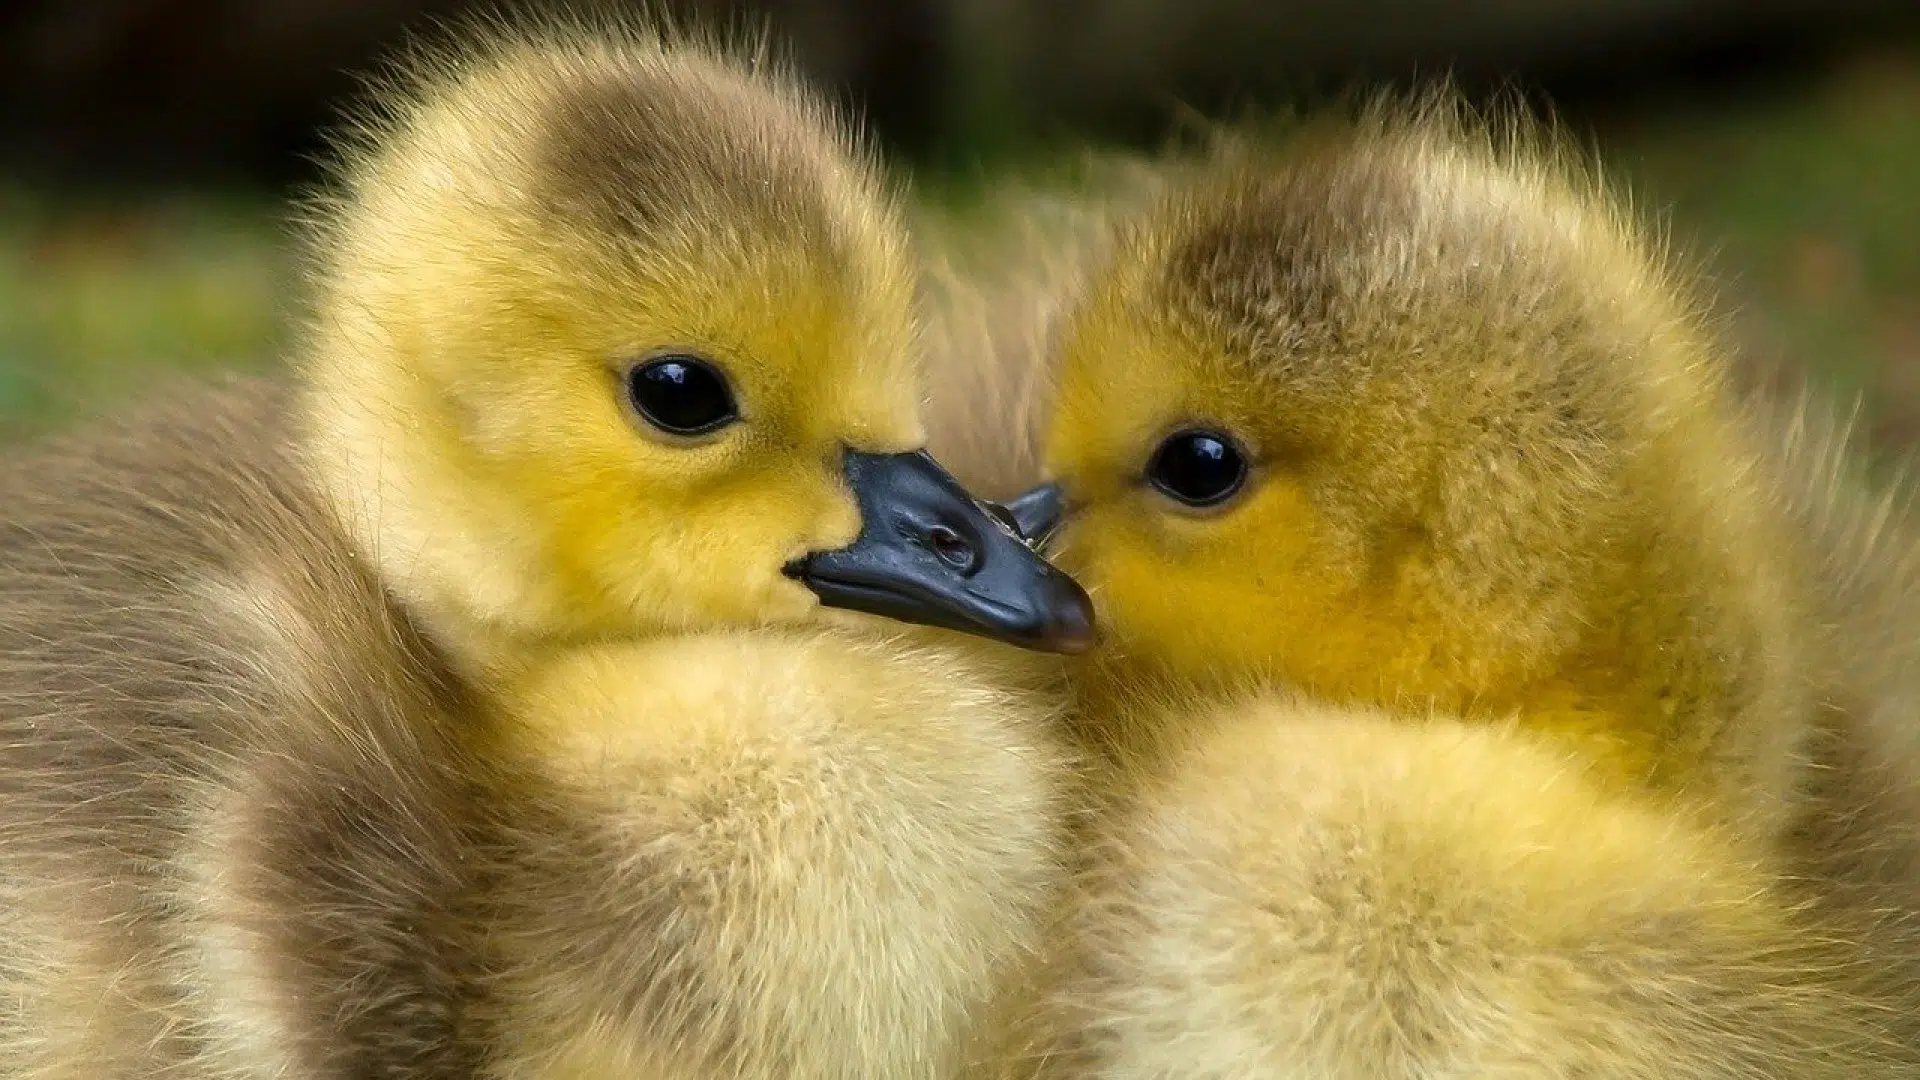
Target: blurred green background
(149,147)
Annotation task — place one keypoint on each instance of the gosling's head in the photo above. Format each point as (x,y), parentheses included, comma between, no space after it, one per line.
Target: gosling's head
(1393,411)
(613,336)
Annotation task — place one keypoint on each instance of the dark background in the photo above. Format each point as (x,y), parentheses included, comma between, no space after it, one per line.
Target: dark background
(146,145)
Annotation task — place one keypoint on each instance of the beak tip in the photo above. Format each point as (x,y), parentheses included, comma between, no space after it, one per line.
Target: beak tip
(1070,626)
(1037,512)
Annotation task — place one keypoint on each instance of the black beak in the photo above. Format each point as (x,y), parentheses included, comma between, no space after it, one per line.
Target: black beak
(929,553)
(1036,514)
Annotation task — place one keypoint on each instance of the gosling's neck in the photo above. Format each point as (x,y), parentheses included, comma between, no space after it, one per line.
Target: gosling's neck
(1689,670)
(1664,664)
(375,445)
(1681,680)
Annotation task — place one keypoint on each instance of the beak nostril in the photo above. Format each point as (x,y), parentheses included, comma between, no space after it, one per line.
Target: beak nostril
(950,546)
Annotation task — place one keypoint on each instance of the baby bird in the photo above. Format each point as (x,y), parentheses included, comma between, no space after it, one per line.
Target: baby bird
(1459,435)
(474,707)
(1411,420)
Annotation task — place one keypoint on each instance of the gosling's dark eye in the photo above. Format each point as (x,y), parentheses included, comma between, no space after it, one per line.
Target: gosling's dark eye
(682,395)
(1199,468)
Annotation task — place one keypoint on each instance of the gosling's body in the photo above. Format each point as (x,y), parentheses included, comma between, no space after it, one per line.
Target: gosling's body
(255,825)
(796,851)
(1644,808)
(447,715)
(1318,892)
(237,827)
